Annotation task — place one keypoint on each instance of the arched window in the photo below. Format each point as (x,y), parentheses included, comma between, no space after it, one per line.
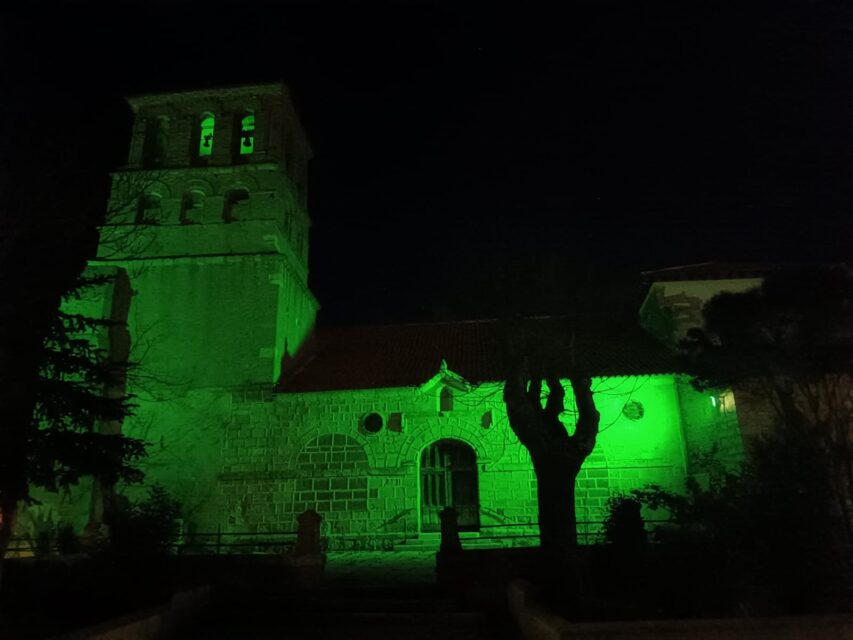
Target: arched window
(206,125)
(288,154)
(233,199)
(247,134)
(148,209)
(298,244)
(445,401)
(154,145)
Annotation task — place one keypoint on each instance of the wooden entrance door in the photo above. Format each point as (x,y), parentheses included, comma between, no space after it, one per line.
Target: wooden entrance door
(449,479)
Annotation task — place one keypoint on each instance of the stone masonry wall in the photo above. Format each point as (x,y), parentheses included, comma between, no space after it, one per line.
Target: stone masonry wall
(710,424)
(282,454)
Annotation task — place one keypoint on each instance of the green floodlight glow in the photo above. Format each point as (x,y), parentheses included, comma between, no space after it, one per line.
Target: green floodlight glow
(372,462)
(247,135)
(205,140)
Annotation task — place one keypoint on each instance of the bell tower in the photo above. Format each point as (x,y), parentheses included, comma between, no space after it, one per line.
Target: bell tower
(209,220)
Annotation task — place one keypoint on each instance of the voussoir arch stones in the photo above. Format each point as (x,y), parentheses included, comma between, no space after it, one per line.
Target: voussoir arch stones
(243,182)
(422,436)
(199,185)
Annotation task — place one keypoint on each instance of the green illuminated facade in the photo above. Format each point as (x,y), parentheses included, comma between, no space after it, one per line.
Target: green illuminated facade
(253,416)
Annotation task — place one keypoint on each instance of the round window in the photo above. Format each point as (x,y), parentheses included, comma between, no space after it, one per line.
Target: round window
(372,423)
(633,410)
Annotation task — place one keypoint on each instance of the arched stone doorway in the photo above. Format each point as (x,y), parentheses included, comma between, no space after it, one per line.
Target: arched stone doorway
(449,479)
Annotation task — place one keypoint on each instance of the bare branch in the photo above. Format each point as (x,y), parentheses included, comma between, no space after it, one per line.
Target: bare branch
(555,404)
(586,430)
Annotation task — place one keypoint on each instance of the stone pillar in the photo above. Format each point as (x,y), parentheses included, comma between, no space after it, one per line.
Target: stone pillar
(308,535)
(307,559)
(450,542)
(448,560)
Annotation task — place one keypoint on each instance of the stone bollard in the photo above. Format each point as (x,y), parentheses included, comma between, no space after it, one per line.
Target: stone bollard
(447,560)
(450,542)
(307,562)
(308,535)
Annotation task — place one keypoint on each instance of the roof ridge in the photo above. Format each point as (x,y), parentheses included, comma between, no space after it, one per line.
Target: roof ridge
(433,323)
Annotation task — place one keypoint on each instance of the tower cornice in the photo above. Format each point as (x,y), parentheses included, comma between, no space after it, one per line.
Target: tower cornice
(228,92)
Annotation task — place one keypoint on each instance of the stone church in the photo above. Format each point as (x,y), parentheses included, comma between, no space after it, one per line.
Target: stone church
(255,414)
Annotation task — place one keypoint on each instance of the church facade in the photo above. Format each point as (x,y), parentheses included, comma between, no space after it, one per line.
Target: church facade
(254,414)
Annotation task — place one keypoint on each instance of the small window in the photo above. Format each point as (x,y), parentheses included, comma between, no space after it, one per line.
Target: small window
(148,209)
(486,420)
(247,135)
(445,402)
(372,423)
(289,146)
(191,203)
(298,244)
(395,422)
(233,200)
(206,128)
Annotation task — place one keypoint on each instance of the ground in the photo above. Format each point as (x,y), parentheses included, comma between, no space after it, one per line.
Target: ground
(365,595)
(372,568)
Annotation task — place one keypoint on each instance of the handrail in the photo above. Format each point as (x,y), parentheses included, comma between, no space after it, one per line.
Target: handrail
(578,523)
(304,541)
(242,533)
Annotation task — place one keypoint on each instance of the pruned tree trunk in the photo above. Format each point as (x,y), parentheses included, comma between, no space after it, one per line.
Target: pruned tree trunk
(557,458)
(555,492)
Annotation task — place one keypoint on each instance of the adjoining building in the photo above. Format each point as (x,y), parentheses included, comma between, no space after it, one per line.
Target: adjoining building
(254,414)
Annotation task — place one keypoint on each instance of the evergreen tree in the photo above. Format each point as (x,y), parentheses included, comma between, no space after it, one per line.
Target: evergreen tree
(63,402)
(62,392)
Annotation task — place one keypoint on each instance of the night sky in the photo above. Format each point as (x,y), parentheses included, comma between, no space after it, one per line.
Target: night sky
(474,161)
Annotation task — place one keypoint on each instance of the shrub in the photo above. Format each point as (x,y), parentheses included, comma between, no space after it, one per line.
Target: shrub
(44,531)
(768,525)
(147,528)
(623,525)
(67,541)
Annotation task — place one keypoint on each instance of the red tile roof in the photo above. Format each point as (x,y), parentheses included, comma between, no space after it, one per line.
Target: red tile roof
(382,356)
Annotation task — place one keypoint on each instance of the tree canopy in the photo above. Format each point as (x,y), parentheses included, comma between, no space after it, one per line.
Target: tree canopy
(789,342)
(796,326)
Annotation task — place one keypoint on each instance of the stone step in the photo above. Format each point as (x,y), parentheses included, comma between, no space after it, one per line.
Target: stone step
(362,605)
(432,544)
(352,598)
(388,628)
(355,613)
(403,618)
(331,615)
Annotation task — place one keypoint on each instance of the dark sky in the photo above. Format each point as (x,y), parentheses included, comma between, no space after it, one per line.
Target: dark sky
(474,159)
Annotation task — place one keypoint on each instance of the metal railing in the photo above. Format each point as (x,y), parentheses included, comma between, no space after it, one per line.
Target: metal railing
(589,532)
(217,543)
(252,541)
